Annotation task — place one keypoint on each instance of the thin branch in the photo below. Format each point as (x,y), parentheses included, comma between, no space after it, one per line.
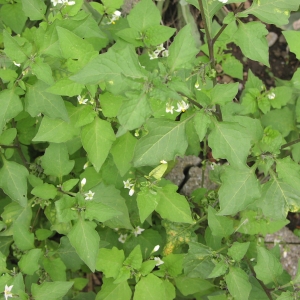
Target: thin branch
(290,144)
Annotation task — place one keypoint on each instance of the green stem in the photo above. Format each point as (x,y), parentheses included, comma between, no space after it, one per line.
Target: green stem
(290,144)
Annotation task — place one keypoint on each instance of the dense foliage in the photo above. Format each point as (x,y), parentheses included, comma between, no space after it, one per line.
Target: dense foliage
(94,108)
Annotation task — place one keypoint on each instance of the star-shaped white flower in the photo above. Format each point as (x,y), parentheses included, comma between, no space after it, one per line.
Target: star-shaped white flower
(122,238)
(271,96)
(55,2)
(153,55)
(223,1)
(182,106)
(165,53)
(81,100)
(159,261)
(89,195)
(127,184)
(169,108)
(138,230)
(7,291)
(160,47)
(115,16)
(67,2)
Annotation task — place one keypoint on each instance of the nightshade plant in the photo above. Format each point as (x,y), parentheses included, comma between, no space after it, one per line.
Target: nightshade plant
(94,108)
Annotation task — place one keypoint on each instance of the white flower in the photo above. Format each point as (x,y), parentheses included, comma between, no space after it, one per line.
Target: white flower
(160,47)
(271,96)
(7,291)
(153,55)
(169,108)
(83,182)
(16,64)
(85,165)
(159,261)
(182,106)
(55,2)
(156,248)
(223,1)
(163,162)
(89,195)
(138,230)
(165,53)
(81,100)
(127,184)
(115,16)
(67,2)
(122,238)
(131,191)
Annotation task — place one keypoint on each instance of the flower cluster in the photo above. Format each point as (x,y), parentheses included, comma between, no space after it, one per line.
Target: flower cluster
(159,49)
(182,106)
(115,17)
(65,2)
(130,186)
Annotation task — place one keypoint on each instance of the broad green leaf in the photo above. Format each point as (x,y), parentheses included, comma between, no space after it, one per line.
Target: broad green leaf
(251,38)
(278,198)
(111,104)
(42,234)
(85,239)
(188,286)
(42,71)
(59,131)
(56,161)
(147,202)
(220,269)
(110,261)
(283,95)
(134,259)
(29,261)
(110,196)
(257,292)
(69,184)
(122,151)
(16,48)
(166,139)
(34,9)
(149,288)
(55,268)
(182,50)
(13,16)
(143,15)
(11,106)
(64,211)
(112,291)
(173,264)
(66,87)
(228,141)
(233,67)
(111,67)
(201,123)
(13,181)
(219,225)
(100,212)
(147,267)
(173,206)
(238,250)
(272,11)
(268,267)
(50,290)
(97,139)
(224,93)
(45,191)
(239,189)
(37,101)
(23,238)
(157,34)
(134,111)
(197,263)
(238,283)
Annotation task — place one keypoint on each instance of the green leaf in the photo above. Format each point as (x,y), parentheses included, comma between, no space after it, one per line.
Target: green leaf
(223,141)
(85,239)
(42,71)
(45,191)
(220,269)
(43,234)
(224,93)
(156,145)
(110,261)
(149,288)
(238,250)
(268,267)
(147,202)
(134,111)
(29,261)
(111,291)
(272,11)
(64,211)
(50,290)
(13,16)
(219,225)
(122,152)
(13,181)
(55,268)
(201,123)
(110,104)
(251,38)
(69,184)
(233,67)
(173,206)
(34,9)
(97,139)
(157,34)
(65,87)
(134,259)
(147,267)
(188,286)
(239,189)
(182,50)
(11,106)
(59,131)
(277,199)
(55,161)
(111,67)
(100,212)
(143,15)
(238,283)
(23,238)
(37,101)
